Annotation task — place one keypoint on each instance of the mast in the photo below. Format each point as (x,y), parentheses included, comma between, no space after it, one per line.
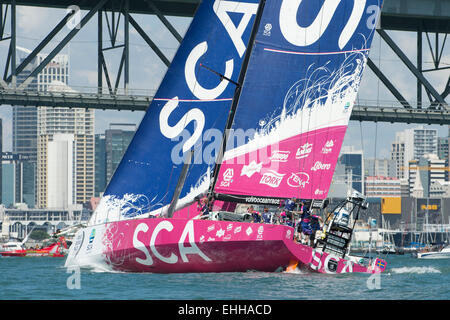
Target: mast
(237,94)
(180,184)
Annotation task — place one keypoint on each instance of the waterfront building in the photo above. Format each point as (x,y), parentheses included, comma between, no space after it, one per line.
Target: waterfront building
(18,221)
(381,186)
(117,139)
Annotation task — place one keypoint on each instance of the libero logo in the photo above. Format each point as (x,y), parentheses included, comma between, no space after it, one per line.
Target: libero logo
(272,178)
(320,166)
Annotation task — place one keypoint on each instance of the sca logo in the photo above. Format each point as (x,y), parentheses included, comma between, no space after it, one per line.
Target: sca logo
(227,177)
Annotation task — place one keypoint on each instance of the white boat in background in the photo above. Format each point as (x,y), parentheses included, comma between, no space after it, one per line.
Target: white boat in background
(435,252)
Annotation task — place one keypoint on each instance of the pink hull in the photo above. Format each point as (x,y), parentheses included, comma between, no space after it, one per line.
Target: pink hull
(178,246)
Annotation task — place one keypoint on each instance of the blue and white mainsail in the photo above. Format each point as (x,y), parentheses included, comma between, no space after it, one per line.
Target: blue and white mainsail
(190,108)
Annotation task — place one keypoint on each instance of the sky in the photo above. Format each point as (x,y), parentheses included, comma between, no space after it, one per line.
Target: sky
(147,71)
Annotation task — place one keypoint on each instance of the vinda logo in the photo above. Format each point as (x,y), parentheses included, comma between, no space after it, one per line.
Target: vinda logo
(223,10)
(305,36)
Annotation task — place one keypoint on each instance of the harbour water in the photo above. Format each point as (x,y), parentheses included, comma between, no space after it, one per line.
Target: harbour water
(406,278)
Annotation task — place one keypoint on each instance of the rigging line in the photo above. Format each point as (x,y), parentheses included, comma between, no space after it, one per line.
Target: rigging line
(222,77)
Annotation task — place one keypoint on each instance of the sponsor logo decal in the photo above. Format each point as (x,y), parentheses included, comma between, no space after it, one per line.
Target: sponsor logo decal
(288,234)
(91,240)
(280,156)
(298,180)
(304,151)
(227,177)
(320,166)
(220,233)
(346,107)
(260,233)
(319,192)
(238,229)
(251,168)
(272,179)
(262,200)
(249,231)
(328,147)
(211,228)
(267,29)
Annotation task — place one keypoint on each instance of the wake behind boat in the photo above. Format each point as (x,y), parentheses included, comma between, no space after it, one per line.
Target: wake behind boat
(253,110)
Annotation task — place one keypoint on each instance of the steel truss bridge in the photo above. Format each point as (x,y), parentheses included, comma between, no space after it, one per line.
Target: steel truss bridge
(423,17)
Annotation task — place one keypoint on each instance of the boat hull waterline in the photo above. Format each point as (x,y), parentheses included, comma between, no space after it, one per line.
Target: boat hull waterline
(160,245)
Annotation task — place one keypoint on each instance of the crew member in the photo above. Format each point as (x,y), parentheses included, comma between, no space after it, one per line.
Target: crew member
(202,206)
(255,214)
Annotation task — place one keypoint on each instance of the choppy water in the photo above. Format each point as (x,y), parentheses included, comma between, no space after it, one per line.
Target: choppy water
(45,278)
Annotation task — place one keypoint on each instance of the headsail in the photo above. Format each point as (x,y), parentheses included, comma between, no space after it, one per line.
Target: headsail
(297,97)
(189,108)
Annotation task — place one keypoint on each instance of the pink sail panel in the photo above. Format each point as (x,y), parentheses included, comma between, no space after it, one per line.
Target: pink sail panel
(301,166)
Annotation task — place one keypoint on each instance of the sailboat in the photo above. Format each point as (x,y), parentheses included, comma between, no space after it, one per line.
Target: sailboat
(252,111)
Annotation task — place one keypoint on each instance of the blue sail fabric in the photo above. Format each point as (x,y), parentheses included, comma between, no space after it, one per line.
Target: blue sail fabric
(300,86)
(189,110)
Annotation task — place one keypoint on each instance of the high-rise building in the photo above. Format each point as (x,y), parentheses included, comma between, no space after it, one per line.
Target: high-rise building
(25,124)
(443,152)
(353,162)
(100,164)
(116,143)
(8,184)
(398,156)
(77,126)
(412,144)
(379,186)
(431,169)
(60,175)
(380,167)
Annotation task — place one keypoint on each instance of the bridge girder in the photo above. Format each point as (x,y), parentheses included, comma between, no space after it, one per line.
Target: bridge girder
(422,16)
